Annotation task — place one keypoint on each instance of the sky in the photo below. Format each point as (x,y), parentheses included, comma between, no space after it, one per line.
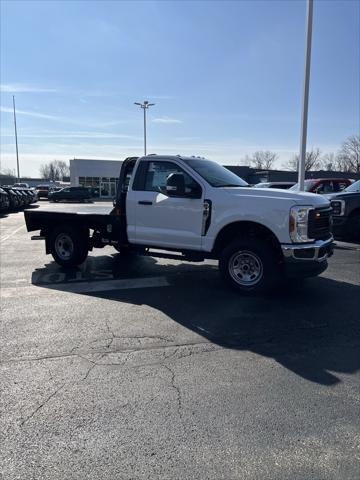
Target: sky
(226,78)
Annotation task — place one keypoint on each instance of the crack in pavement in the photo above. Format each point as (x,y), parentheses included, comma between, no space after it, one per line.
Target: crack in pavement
(112,338)
(230,341)
(177,390)
(22,423)
(93,352)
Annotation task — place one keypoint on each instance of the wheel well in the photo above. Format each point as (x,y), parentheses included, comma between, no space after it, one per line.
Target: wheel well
(48,232)
(245,229)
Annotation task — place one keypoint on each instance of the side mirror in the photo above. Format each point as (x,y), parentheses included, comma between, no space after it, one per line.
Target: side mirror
(175,185)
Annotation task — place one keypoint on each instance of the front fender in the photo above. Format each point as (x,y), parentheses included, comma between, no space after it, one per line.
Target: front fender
(274,215)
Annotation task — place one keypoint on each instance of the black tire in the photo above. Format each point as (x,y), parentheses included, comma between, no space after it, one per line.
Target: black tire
(250,265)
(69,245)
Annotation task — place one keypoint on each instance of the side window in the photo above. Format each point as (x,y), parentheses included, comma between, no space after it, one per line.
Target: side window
(319,188)
(336,187)
(157,174)
(342,185)
(326,187)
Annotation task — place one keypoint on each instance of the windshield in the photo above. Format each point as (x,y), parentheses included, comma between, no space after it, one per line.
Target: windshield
(355,187)
(308,184)
(215,174)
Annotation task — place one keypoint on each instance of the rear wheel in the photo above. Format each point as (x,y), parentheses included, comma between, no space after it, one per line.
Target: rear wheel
(69,246)
(249,265)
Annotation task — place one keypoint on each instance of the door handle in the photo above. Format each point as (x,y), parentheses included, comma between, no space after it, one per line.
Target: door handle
(144,202)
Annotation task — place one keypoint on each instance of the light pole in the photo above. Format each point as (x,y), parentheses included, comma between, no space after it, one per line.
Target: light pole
(304,118)
(16,143)
(144,106)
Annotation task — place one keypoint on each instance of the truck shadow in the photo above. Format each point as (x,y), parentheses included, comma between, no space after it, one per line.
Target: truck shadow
(311,329)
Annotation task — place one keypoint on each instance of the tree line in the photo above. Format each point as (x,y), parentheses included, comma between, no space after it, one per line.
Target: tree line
(55,170)
(347,159)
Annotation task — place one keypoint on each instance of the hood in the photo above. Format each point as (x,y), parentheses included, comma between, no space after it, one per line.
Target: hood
(344,195)
(299,198)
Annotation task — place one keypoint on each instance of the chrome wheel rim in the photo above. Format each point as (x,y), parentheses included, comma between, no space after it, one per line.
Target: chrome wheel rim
(64,246)
(246,268)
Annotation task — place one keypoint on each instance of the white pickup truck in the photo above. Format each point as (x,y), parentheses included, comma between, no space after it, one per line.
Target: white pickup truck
(201,210)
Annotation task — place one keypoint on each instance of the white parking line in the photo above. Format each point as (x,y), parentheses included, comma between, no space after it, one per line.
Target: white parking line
(84,287)
(11,234)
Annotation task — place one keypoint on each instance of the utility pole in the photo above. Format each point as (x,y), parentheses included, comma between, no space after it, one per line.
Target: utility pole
(144,106)
(16,143)
(304,118)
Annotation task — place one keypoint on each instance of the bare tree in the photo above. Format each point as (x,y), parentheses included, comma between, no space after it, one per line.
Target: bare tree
(9,172)
(45,171)
(348,158)
(55,170)
(312,161)
(263,160)
(328,162)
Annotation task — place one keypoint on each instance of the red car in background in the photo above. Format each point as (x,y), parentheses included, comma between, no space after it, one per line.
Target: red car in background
(42,191)
(324,185)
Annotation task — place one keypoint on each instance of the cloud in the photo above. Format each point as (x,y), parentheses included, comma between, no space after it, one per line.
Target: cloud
(80,134)
(31,114)
(24,88)
(167,120)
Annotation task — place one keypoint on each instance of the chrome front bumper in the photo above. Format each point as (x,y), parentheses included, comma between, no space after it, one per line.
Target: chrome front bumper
(317,251)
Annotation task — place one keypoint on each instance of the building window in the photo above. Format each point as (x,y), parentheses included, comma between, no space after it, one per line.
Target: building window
(104,187)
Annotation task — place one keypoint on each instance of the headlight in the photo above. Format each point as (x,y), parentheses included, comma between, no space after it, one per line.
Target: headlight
(298,224)
(338,207)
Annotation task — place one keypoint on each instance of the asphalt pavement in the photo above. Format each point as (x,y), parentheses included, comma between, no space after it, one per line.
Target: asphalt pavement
(152,369)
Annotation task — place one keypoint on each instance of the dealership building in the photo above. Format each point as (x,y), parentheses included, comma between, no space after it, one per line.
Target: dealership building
(100,175)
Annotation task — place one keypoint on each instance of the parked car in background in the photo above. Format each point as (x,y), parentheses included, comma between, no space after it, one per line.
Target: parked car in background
(14,201)
(20,196)
(42,191)
(54,189)
(324,185)
(13,198)
(4,201)
(21,185)
(94,191)
(29,195)
(281,185)
(34,195)
(346,211)
(80,194)
(26,197)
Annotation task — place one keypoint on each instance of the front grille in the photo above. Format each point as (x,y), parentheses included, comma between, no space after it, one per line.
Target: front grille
(319,226)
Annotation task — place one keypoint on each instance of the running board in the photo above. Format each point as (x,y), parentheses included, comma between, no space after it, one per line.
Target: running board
(188,257)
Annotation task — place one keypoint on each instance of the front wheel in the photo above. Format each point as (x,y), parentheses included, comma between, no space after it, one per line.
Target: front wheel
(69,246)
(249,265)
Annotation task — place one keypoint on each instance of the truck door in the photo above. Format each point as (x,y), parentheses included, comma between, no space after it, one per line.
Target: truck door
(162,218)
